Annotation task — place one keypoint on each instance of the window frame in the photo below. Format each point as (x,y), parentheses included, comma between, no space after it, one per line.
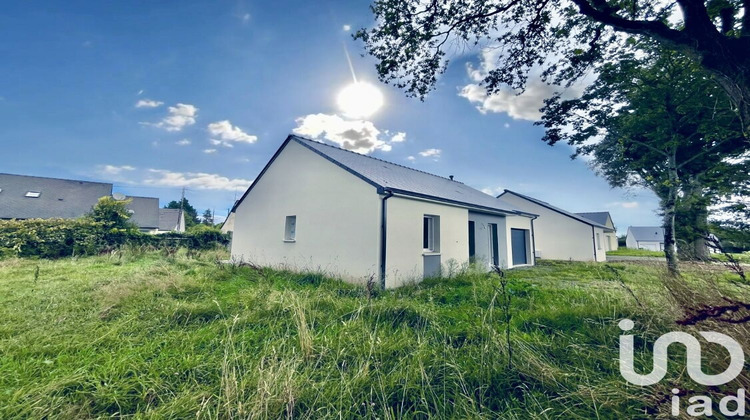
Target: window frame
(290,228)
(430,234)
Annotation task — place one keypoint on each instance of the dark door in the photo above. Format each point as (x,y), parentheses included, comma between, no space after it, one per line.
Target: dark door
(518,244)
(472,246)
(493,245)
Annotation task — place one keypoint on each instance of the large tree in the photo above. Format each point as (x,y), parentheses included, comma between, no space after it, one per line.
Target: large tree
(412,38)
(654,119)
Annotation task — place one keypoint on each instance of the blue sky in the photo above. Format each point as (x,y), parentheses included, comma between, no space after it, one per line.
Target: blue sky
(156,96)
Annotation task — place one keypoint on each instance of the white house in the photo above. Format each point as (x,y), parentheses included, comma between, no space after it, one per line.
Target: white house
(604,218)
(561,235)
(645,237)
(318,207)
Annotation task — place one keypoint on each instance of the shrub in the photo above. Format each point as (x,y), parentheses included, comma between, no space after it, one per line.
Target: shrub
(56,238)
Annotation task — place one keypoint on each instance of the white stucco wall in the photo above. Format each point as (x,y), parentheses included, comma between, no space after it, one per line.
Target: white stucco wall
(405,256)
(338,218)
(482,239)
(558,237)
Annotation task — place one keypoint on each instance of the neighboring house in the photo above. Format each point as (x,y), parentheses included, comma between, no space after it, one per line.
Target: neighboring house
(171,220)
(645,237)
(604,218)
(562,235)
(144,213)
(33,197)
(228,225)
(318,207)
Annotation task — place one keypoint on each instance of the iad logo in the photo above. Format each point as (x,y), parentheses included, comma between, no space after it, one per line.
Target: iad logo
(703,404)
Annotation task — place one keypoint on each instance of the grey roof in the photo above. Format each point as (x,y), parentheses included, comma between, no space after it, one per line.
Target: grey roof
(558,209)
(597,217)
(63,198)
(145,211)
(169,219)
(647,233)
(387,176)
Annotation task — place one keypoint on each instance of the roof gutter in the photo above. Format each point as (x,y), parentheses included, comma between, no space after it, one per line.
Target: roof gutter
(533,241)
(383,234)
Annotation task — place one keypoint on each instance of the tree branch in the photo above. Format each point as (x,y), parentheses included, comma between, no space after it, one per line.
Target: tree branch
(654,29)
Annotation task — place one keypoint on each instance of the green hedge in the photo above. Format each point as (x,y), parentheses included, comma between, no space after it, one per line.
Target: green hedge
(55,238)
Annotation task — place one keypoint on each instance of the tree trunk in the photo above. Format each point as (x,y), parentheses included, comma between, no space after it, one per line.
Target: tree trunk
(669,207)
(700,222)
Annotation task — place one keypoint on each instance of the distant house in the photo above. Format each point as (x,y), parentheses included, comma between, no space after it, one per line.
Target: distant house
(645,237)
(144,213)
(33,197)
(560,234)
(604,218)
(319,207)
(228,225)
(171,220)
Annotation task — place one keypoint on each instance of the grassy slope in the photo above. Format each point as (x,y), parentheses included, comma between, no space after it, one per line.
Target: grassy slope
(636,252)
(186,338)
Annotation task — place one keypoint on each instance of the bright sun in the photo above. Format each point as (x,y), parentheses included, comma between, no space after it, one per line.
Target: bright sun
(360,100)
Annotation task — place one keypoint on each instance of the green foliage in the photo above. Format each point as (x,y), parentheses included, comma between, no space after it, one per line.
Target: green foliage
(56,238)
(207,218)
(111,213)
(412,40)
(733,240)
(191,214)
(139,336)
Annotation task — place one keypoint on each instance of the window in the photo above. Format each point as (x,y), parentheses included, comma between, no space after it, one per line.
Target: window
(431,234)
(33,194)
(598,241)
(290,230)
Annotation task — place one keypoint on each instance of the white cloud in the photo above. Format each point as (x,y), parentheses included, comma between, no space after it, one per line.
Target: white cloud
(140,92)
(197,180)
(220,143)
(525,106)
(209,151)
(245,18)
(359,136)
(435,153)
(148,103)
(183,142)
(115,170)
(411,158)
(347,28)
(180,116)
(493,191)
(506,125)
(225,132)
(398,137)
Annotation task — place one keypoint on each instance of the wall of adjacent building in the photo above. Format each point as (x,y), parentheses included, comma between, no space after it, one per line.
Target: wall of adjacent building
(557,236)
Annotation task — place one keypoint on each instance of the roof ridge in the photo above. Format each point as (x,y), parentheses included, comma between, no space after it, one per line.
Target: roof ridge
(56,178)
(374,158)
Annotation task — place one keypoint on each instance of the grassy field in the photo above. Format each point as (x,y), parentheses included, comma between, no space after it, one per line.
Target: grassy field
(636,252)
(141,335)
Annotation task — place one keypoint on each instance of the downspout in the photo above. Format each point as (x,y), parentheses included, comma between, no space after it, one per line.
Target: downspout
(383,235)
(593,240)
(533,241)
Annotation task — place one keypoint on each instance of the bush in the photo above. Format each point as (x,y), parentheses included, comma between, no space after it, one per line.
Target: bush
(56,238)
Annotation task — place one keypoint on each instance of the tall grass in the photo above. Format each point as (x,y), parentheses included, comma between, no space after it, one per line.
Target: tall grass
(184,337)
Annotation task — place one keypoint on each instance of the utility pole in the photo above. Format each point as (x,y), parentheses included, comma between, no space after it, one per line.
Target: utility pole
(182,202)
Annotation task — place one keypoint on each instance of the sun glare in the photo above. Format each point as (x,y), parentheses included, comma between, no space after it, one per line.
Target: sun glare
(360,100)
